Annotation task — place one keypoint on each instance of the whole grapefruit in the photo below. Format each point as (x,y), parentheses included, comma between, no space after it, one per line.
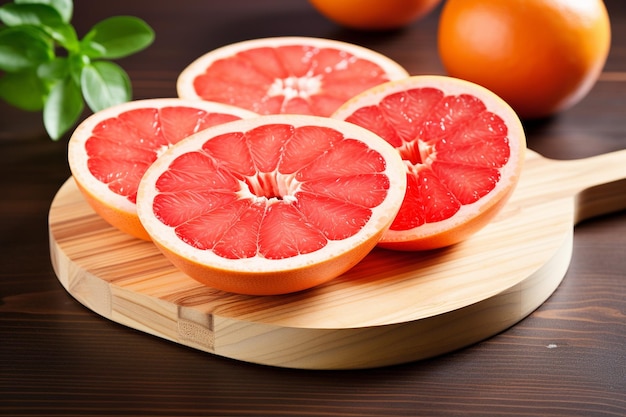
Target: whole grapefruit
(374,14)
(541,56)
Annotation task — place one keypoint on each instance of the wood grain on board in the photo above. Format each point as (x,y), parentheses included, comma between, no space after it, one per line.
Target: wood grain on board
(393,307)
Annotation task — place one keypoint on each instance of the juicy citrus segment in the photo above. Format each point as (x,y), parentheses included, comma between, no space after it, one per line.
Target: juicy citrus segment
(272,204)
(295,75)
(111,150)
(121,148)
(463,151)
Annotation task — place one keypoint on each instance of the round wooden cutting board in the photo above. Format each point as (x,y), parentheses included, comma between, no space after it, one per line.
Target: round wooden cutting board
(391,308)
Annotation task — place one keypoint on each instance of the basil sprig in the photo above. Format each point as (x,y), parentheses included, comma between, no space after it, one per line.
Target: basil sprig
(44,66)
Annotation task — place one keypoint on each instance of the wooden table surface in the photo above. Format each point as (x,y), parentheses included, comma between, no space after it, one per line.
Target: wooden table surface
(568,358)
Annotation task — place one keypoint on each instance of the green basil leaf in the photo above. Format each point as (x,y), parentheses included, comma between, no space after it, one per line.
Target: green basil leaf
(117,37)
(43,17)
(62,108)
(76,63)
(64,34)
(23,90)
(104,84)
(13,14)
(64,7)
(22,48)
(54,70)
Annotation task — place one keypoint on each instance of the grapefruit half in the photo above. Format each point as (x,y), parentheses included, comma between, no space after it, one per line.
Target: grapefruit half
(110,150)
(299,75)
(273,204)
(463,149)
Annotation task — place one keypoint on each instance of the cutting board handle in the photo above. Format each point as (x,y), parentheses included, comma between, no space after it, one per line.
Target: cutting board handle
(597,183)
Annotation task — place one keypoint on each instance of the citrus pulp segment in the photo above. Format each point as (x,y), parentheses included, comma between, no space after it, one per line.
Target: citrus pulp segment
(273,204)
(110,150)
(299,75)
(463,149)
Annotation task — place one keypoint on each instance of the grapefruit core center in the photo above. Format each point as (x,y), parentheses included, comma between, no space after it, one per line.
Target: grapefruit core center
(415,152)
(270,187)
(296,87)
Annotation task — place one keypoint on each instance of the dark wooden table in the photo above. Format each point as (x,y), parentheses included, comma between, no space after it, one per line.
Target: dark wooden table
(568,358)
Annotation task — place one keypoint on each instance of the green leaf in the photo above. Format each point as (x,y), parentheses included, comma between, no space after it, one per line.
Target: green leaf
(64,7)
(54,70)
(23,47)
(13,14)
(64,34)
(117,37)
(43,17)
(104,84)
(62,108)
(33,77)
(23,90)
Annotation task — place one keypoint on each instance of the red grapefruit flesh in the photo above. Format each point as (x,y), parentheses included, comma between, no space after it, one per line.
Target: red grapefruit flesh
(110,151)
(273,204)
(463,149)
(296,75)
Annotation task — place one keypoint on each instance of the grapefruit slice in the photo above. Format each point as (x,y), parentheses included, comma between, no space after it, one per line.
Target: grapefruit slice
(110,150)
(463,149)
(274,204)
(298,75)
